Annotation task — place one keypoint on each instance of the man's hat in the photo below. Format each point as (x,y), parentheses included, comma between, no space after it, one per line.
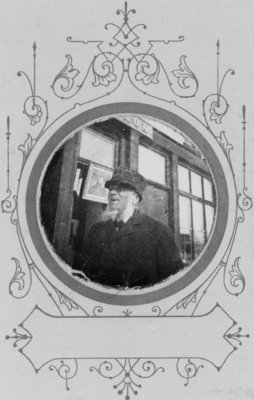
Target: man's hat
(128,179)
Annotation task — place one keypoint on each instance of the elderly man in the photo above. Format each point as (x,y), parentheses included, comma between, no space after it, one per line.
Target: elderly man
(129,249)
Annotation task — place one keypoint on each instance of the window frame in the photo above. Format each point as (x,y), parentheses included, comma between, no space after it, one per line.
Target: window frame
(192,198)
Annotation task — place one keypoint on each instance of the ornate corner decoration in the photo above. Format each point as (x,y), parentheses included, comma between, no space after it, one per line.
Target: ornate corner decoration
(8,204)
(244,201)
(35,107)
(127,373)
(26,148)
(107,69)
(66,369)
(215,105)
(187,369)
(234,280)
(17,286)
(235,337)
(18,337)
(21,281)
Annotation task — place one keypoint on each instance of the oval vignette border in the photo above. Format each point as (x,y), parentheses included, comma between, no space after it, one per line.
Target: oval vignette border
(190,131)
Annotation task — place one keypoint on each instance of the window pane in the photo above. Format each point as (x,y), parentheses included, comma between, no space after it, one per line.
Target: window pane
(208,191)
(209,214)
(78,181)
(183,179)
(198,227)
(97,148)
(184,215)
(196,185)
(152,165)
(155,203)
(185,229)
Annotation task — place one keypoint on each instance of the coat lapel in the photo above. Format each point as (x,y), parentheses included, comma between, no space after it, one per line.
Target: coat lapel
(128,228)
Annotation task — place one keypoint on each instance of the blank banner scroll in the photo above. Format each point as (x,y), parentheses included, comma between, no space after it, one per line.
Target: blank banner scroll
(54,337)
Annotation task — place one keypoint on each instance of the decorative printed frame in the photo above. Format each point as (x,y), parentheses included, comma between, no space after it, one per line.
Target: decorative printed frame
(144,72)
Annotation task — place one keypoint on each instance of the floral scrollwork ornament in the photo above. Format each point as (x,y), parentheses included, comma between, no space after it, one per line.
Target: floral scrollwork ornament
(66,369)
(127,373)
(187,369)
(35,107)
(21,282)
(215,105)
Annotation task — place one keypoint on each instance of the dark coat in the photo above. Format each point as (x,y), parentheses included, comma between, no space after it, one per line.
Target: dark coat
(140,253)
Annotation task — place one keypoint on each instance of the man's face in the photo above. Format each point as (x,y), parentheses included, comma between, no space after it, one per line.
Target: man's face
(120,199)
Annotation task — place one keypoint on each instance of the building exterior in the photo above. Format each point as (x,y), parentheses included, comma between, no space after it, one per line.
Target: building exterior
(180,191)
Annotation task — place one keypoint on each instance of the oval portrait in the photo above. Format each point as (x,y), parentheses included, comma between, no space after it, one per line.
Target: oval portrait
(129,201)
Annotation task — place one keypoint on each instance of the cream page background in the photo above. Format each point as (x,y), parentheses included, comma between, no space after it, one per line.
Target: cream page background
(202,23)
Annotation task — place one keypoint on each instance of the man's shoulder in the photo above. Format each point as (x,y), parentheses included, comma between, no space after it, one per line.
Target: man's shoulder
(153,224)
(100,226)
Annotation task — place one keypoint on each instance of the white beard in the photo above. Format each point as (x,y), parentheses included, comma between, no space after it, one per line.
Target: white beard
(117,214)
(110,214)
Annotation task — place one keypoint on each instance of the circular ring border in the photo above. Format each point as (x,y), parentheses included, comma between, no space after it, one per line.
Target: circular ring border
(128,108)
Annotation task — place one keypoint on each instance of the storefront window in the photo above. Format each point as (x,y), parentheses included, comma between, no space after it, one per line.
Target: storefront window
(185,229)
(78,181)
(196,184)
(196,212)
(209,213)
(208,191)
(97,148)
(198,227)
(152,165)
(183,179)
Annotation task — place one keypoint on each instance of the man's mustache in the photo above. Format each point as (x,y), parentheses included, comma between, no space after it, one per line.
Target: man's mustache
(113,197)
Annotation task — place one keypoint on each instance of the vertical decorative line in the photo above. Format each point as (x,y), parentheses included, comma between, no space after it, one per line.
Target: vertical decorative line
(244,143)
(192,218)
(218,72)
(8,204)
(34,57)
(204,210)
(126,12)
(8,134)
(173,175)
